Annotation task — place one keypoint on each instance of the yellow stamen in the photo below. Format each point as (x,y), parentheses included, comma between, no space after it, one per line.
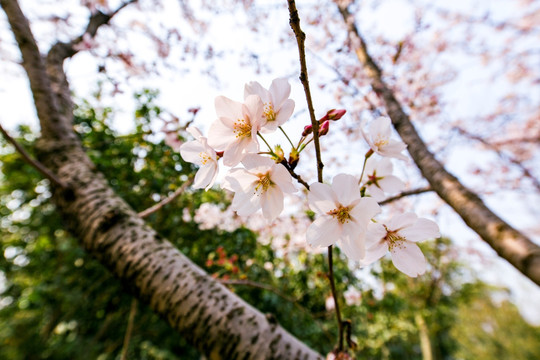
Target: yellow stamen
(394,239)
(269,113)
(341,213)
(264,183)
(242,128)
(205,158)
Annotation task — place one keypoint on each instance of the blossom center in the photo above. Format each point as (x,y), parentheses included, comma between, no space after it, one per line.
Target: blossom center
(269,113)
(381,142)
(242,128)
(394,239)
(264,183)
(341,214)
(205,158)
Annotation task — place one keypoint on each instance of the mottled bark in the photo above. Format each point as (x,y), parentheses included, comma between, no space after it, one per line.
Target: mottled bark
(509,243)
(207,314)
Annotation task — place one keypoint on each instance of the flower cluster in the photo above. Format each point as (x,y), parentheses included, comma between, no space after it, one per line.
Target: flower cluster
(345,210)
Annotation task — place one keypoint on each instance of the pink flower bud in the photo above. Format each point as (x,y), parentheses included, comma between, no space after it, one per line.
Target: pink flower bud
(323,129)
(334,114)
(308,129)
(219,154)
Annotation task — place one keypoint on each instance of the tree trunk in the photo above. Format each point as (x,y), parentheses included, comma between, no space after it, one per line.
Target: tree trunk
(207,314)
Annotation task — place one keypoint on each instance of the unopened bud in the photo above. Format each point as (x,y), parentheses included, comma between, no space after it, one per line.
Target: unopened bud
(323,129)
(308,129)
(294,157)
(334,114)
(219,154)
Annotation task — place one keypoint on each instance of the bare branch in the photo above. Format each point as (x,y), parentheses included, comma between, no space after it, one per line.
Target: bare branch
(294,21)
(34,163)
(167,200)
(129,329)
(526,172)
(405,194)
(509,243)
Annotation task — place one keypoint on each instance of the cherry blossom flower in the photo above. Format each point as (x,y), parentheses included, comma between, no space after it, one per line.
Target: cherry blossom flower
(278,108)
(235,130)
(379,140)
(400,237)
(259,186)
(343,216)
(378,178)
(199,152)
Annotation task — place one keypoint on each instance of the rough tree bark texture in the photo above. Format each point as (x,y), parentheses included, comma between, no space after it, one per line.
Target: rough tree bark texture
(206,313)
(509,243)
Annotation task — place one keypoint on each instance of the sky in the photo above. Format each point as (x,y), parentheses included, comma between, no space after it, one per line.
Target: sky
(187,81)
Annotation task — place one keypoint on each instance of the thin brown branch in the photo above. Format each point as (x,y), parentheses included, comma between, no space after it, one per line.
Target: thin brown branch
(129,329)
(34,163)
(294,21)
(526,172)
(167,200)
(405,194)
(509,243)
(335,297)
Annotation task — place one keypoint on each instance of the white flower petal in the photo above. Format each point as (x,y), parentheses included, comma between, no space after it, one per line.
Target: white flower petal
(422,229)
(374,253)
(253,108)
(376,193)
(408,258)
(375,233)
(393,149)
(365,210)
(195,132)
(272,203)
(323,232)
(346,188)
(228,108)
(253,161)
(391,184)
(380,128)
(282,178)
(191,151)
(321,198)
(220,136)
(353,247)
(285,112)
(384,167)
(254,88)
(239,180)
(280,89)
(204,177)
(402,221)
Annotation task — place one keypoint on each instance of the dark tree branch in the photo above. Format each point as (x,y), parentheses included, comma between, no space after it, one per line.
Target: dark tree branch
(509,243)
(34,163)
(405,194)
(294,21)
(167,200)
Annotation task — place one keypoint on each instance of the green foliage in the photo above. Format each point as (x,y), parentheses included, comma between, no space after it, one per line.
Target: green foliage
(59,303)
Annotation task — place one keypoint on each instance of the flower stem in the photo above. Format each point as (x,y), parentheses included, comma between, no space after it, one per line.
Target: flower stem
(263,139)
(334,295)
(287,136)
(363,168)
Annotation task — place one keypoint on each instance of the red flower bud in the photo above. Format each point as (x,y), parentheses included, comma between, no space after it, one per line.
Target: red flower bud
(308,129)
(334,114)
(323,129)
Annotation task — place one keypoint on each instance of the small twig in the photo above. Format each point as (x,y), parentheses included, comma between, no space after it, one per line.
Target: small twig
(406,193)
(167,200)
(34,163)
(502,155)
(129,329)
(294,175)
(294,21)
